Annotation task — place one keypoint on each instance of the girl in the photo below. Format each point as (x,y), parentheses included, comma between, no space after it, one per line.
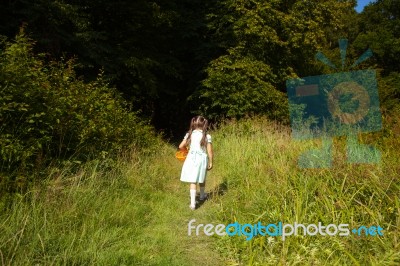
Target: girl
(199,158)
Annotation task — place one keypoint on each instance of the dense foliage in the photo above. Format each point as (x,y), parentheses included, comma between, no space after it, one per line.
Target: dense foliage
(168,60)
(379,29)
(47,112)
(265,43)
(225,58)
(152,51)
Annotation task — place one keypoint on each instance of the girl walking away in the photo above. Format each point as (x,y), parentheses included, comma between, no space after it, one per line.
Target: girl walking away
(199,158)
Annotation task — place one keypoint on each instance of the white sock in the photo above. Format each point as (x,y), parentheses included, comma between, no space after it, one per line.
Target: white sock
(193,197)
(202,192)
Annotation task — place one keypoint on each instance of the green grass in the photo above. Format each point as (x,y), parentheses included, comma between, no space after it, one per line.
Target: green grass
(136,212)
(258,161)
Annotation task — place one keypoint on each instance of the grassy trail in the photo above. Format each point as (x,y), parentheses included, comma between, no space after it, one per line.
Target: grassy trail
(167,234)
(136,211)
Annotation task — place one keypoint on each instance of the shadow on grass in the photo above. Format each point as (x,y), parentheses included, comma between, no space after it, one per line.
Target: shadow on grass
(217,191)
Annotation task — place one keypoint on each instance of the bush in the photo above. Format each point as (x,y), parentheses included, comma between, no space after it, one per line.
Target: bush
(46,112)
(237,87)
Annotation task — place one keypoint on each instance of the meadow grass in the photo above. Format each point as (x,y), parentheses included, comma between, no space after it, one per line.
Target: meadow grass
(134,211)
(258,161)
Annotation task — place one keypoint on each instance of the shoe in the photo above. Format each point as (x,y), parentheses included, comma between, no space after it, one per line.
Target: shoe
(192,207)
(204,197)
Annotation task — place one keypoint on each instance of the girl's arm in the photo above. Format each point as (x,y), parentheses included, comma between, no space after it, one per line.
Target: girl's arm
(210,156)
(183,144)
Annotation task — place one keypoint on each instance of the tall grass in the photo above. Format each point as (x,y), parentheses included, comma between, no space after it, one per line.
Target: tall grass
(258,161)
(135,211)
(101,214)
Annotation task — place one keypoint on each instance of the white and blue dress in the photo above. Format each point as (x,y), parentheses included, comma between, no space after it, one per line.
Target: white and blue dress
(194,168)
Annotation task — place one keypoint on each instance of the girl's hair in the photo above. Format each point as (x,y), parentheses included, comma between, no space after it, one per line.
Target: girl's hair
(198,122)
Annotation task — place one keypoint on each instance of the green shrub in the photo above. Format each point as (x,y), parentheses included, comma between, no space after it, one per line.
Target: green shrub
(237,87)
(46,112)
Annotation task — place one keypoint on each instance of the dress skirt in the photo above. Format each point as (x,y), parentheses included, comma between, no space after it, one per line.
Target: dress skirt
(194,168)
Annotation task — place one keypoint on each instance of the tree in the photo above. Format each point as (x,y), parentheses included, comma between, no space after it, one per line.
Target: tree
(380,31)
(264,43)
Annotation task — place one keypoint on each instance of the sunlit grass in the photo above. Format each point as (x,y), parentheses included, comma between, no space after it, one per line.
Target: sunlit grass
(134,211)
(129,213)
(258,161)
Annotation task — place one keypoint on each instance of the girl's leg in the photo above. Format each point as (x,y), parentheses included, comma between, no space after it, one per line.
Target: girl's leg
(202,188)
(193,195)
